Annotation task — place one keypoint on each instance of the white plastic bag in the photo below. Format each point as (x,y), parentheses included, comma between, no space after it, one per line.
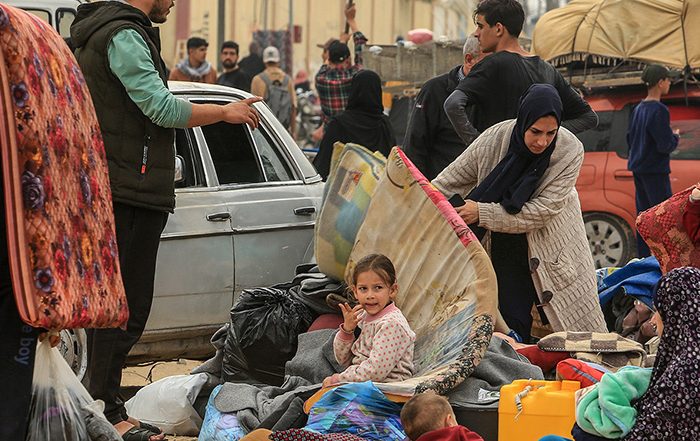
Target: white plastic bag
(61,409)
(167,404)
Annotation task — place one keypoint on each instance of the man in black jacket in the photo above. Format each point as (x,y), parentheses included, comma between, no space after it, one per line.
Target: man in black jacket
(431,141)
(494,86)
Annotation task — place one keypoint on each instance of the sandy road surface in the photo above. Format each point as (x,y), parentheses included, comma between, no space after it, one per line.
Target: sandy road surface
(136,377)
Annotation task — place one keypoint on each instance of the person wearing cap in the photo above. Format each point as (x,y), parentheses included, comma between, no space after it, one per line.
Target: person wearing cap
(233,75)
(651,141)
(334,79)
(277,88)
(195,66)
(325,46)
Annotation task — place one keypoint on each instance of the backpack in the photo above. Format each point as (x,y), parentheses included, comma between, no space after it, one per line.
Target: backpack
(278,98)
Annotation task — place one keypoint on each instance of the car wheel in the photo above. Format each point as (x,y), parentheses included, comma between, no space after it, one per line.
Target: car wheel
(610,238)
(73,348)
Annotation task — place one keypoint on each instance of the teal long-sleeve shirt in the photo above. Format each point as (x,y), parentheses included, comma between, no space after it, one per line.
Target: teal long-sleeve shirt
(130,60)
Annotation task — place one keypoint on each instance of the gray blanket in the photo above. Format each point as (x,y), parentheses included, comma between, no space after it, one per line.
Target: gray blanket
(267,407)
(501,365)
(314,359)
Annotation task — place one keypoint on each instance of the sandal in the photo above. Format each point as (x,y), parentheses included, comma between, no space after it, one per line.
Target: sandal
(150,427)
(138,434)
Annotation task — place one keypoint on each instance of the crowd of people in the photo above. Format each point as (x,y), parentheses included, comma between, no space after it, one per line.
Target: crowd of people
(496,135)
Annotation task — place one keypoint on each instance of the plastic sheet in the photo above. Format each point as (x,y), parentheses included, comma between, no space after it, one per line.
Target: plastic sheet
(359,409)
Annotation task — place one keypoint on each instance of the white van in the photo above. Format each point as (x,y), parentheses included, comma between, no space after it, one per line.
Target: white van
(58,13)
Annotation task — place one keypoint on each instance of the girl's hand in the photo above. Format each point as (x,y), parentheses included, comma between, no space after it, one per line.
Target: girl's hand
(351,316)
(469,212)
(330,381)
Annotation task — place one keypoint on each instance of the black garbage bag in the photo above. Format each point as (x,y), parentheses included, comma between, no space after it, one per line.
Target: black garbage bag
(265,323)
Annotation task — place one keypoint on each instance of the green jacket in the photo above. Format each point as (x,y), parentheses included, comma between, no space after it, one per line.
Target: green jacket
(140,154)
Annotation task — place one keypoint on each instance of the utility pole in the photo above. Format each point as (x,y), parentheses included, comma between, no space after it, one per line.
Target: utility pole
(221,29)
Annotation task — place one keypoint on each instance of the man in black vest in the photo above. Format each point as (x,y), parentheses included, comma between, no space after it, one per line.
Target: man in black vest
(118,50)
(431,141)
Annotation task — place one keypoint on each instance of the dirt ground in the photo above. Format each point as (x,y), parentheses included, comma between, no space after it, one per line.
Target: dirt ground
(134,378)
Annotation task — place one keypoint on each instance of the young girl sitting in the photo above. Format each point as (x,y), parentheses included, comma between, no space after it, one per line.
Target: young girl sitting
(384,349)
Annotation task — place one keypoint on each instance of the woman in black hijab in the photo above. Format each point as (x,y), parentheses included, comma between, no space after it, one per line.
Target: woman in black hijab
(519,178)
(670,408)
(363,122)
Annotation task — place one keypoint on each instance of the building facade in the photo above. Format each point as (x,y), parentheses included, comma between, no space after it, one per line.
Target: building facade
(316,21)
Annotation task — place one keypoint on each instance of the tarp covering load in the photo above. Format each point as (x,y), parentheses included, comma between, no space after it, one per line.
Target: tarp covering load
(447,286)
(648,31)
(349,189)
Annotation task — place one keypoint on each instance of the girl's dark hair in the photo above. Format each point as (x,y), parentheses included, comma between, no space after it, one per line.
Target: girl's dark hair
(378,263)
(509,13)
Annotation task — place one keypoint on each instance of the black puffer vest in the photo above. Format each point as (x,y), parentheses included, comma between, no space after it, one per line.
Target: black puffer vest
(140,154)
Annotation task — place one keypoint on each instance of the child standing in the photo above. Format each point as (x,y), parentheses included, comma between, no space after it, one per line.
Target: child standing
(384,349)
(651,140)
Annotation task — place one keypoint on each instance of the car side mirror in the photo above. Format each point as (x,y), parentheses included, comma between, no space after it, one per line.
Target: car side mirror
(179,169)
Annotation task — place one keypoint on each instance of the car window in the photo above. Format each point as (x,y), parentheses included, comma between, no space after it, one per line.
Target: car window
(687,120)
(192,163)
(233,154)
(275,165)
(41,13)
(64,19)
(598,139)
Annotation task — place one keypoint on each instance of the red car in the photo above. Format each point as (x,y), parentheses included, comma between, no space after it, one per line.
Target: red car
(606,187)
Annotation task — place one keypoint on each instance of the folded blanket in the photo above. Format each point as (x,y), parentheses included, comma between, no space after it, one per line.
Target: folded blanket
(607,410)
(638,279)
(608,349)
(267,407)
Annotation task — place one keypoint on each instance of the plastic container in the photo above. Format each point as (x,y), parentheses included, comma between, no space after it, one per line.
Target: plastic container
(546,408)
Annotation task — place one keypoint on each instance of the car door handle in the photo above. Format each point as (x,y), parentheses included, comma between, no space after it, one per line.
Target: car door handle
(219,217)
(304,211)
(623,175)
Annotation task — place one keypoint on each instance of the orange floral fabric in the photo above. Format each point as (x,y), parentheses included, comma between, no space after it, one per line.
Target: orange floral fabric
(62,245)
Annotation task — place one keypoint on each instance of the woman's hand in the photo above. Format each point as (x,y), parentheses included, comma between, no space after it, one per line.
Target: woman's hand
(53,336)
(695,194)
(469,212)
(351,316)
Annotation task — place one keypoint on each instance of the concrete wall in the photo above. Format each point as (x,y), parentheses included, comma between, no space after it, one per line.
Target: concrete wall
(380,20)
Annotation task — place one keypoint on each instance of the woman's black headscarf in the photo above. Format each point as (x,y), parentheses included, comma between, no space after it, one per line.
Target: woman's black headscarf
(363,121)
(513,181)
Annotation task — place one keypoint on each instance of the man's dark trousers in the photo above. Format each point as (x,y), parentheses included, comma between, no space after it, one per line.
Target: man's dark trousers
(138,235)
(650,189)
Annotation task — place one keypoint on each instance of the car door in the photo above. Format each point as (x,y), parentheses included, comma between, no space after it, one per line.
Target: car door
(194,273)
(272,210)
